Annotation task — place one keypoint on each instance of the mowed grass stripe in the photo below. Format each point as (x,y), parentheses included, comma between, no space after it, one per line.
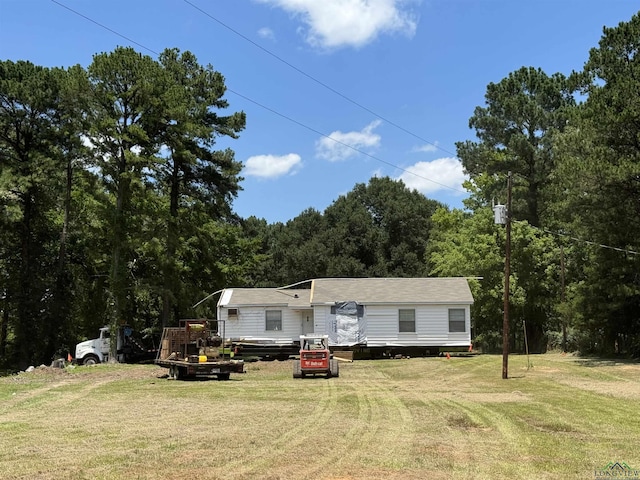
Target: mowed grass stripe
(394,419)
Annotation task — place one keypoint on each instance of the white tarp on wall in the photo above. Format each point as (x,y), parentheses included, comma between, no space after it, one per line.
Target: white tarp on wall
(347,325)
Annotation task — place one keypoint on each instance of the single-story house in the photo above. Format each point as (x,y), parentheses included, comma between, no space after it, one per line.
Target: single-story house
(371,312)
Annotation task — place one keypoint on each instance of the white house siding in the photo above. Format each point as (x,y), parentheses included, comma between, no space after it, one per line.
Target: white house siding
(251,324)
(321,315)
(432,325)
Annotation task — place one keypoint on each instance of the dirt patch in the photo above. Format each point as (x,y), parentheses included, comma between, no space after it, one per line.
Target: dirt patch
(461,420)
(39,373)
(122,372)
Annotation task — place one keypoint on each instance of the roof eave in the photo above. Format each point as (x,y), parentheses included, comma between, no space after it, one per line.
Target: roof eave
(393,302)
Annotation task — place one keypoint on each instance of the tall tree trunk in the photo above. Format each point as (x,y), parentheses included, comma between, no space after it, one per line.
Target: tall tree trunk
(117,274)
(25,321)
(62,250)
(4,326)
(60,306)
(172,234)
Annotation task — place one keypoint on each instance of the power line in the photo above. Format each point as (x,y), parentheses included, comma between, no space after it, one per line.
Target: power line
(319,82)
(268,108)
(577,239)
(340,142)
(588,242)
(622,250)
(104,26)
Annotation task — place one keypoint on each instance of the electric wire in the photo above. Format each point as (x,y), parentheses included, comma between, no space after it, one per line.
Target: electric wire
(355,149)
(623,250)
(588,242)
(104,26)
(314,79)
(577,239)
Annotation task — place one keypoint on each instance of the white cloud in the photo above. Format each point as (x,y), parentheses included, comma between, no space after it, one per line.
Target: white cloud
(349,23)
(272,166)
(429,177)
(267,33)
(426,148)
(337,146)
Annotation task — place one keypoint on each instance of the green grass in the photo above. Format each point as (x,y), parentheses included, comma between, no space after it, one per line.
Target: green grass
(395,419)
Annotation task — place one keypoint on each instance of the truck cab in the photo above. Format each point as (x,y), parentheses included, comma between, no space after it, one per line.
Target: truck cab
(129,347)
(94,351)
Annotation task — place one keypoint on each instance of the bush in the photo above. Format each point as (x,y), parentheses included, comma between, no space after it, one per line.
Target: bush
(573,340)
(489,342)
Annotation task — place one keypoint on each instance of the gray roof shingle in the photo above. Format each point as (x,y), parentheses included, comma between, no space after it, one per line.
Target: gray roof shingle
(269,297)
(362,290)
(391,290)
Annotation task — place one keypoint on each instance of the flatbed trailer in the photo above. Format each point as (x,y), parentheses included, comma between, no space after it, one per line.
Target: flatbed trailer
(194,349)
(185,369)
(263,349)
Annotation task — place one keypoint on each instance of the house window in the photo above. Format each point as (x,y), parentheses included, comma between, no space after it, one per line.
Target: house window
(407,320)
(233,313)
(456,320)
(274,320)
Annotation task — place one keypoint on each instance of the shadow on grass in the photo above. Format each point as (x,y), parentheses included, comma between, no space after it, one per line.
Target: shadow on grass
(200,379)
(604,362)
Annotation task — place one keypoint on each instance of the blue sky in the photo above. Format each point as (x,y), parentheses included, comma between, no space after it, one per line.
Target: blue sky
(408,73)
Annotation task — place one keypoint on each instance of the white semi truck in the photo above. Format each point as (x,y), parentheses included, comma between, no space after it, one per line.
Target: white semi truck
(128,348)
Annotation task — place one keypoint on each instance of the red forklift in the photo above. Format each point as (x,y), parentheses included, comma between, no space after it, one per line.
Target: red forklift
(315,358)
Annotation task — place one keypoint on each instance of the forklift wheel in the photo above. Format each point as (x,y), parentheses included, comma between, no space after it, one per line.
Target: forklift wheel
(334,369)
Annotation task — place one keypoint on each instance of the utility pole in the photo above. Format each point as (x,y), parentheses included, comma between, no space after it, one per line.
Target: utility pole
(563,299)
(507,273)
(502,216)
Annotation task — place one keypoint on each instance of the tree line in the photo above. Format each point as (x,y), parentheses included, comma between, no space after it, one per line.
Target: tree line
(114,199)
(573,145)
(117,207)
